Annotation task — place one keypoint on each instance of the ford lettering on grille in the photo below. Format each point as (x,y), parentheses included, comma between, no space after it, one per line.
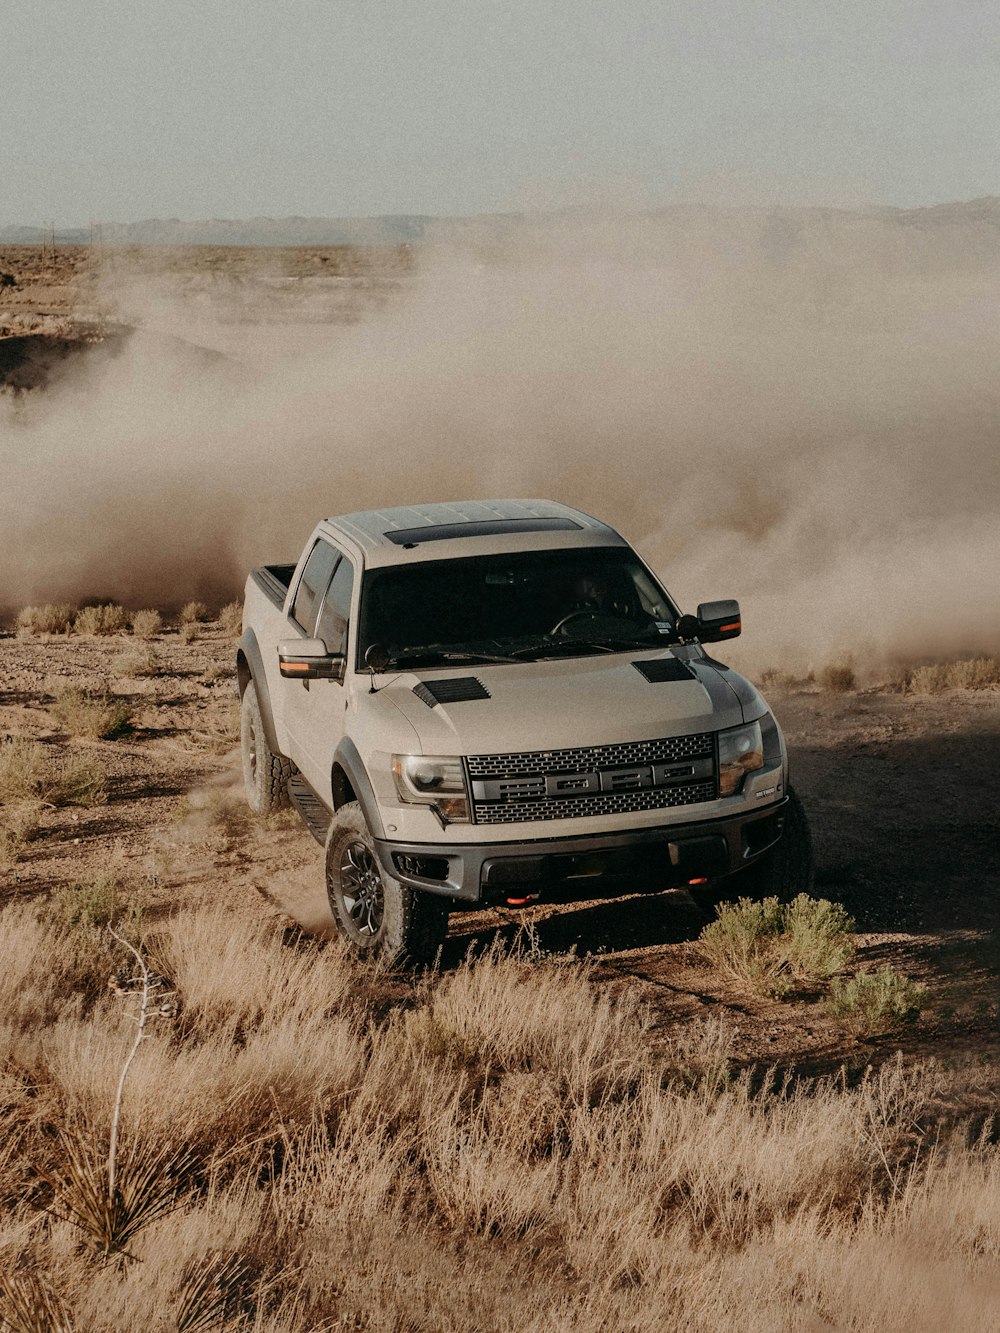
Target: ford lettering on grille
(603,779)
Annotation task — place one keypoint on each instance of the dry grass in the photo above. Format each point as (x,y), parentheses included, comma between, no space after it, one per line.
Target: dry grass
(509,1148)
(192,613)
(95,715)
(231,619)
(838,677)
(146,624)
(141,660)
(22,765)
(79,779)
(19,823)
(45,619)
(976,673)
(107,619)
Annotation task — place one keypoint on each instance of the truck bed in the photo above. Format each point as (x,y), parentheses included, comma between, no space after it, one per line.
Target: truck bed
(273,581)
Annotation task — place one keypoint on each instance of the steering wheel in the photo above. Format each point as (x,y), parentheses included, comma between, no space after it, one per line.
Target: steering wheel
(576,615)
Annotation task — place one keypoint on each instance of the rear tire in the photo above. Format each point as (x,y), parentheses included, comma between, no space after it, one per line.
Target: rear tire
(783,872)
(265,774)
(376,914)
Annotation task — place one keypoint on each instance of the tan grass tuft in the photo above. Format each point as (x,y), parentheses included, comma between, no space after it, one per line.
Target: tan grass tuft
(192,613)
(138,661)
(80,779)
(107,619)
(95,715)
(146,624)
(838,677)
(45,619)
(231,619)
(22,764)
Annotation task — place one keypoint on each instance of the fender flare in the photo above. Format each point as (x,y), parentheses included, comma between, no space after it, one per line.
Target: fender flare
(350,761)
(250,666)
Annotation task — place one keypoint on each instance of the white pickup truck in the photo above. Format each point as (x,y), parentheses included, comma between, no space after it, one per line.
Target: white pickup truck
(496,702)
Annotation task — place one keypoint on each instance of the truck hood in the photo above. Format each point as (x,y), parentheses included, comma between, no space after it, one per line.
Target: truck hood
(566,702)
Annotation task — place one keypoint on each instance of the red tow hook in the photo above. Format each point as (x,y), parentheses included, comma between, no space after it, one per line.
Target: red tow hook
(704,880)
(522,902)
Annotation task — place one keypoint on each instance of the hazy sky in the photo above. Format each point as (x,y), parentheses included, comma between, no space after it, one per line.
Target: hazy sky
(230,108)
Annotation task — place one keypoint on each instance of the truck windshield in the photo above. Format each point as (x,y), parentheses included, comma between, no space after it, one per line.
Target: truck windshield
(523,605)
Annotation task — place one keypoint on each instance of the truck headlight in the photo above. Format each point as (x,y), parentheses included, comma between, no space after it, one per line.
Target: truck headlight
(741,751)
(434,780)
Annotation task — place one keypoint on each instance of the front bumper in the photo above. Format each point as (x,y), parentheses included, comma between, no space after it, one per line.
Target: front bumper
(588,866)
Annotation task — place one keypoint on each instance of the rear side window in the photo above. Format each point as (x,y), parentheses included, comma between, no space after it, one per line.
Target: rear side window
(336,611)
(312,585)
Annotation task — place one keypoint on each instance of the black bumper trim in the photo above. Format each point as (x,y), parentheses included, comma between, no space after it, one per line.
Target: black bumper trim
(590,865)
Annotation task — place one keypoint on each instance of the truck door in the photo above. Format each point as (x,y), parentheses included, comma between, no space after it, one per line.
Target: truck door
(314,709)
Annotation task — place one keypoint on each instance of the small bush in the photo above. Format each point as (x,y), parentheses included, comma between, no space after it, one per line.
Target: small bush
(875,1002)
(80,780)
(108,619)
(141,660)
(217,671)
(95,715)
(838,677)
(974,673)
(22,762)
(775,678)
(146,624)
(192,613)
(770,946)
(45,619)
(190,632)
(231,619)
(104,900)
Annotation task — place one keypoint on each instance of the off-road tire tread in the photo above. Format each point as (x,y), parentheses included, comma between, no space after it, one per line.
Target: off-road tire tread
(416,923)
(273,770)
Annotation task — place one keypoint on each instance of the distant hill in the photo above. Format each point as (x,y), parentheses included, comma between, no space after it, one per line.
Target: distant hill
(967,232)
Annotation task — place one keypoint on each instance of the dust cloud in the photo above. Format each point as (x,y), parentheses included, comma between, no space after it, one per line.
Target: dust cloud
(799,410)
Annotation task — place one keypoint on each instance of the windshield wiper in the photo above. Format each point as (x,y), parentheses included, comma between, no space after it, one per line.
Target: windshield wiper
(432,656)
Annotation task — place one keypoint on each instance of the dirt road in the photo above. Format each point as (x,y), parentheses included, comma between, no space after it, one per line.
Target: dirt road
(900,789)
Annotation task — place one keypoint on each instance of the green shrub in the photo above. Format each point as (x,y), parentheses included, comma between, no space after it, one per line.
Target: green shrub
(875,1002)
(146,624)
(96,715)
(769,946)
(108,619)
(45,619)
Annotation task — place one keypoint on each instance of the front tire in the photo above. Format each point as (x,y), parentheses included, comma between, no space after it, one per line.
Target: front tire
(783,872)
(375,914)
(265,774)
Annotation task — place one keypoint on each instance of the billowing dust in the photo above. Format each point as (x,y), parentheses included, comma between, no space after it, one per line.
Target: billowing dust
(801,416)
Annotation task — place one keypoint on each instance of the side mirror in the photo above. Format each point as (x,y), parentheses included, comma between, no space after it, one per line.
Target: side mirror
(719,620)
(308,659)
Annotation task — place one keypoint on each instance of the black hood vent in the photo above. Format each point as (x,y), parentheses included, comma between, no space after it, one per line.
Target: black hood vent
(456,690)
(664,668)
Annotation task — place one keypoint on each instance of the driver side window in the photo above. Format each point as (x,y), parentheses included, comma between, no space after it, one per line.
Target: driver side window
(312,584)
(335,612)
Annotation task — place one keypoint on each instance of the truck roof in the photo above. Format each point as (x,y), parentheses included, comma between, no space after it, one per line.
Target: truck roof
(397,535)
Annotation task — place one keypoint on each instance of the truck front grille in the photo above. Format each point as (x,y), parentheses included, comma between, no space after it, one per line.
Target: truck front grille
(528,786)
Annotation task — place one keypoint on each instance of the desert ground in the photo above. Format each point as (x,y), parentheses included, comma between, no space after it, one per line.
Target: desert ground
(587,1117)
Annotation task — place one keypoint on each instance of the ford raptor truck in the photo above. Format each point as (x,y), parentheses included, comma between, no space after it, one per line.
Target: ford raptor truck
(499,703)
